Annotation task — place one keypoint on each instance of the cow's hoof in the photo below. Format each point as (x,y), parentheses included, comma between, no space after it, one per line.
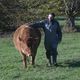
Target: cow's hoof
(33,66)
(30,63)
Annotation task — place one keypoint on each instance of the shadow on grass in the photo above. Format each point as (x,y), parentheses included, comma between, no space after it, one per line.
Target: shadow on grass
(70,63)
(73,63)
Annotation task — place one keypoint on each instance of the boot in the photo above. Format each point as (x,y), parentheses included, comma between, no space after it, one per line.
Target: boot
(50,60)
(55,60)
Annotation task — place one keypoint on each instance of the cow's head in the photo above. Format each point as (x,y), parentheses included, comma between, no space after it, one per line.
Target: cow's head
(25,49)
(28,51)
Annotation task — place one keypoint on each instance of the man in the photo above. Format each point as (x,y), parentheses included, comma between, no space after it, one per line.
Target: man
(53,36)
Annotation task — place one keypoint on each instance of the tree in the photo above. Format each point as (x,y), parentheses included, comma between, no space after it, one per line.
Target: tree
(72,9)
(16,12)
(10,14)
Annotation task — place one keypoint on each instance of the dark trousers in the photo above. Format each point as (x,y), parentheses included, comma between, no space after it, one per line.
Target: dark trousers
(51,55)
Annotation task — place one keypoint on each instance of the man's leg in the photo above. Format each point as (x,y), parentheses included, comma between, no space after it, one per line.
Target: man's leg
(55,53)
(48,56)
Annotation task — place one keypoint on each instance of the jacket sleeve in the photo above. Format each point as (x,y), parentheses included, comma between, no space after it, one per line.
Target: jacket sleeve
(59,33)
(39,24)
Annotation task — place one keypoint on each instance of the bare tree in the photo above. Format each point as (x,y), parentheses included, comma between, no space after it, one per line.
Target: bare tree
(72,8)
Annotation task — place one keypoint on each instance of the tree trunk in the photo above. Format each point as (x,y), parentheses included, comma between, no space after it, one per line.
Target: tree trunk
(70,24)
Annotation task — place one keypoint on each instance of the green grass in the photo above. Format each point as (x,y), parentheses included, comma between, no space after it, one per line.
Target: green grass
(68,59)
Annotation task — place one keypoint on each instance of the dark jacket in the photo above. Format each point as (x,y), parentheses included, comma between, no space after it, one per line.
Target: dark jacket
(52,30)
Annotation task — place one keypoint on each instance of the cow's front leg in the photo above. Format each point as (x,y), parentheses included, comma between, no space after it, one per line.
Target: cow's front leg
(33,57)
(32,60)
(24,60)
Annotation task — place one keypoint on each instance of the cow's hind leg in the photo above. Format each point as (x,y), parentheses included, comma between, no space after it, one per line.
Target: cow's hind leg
(24,60)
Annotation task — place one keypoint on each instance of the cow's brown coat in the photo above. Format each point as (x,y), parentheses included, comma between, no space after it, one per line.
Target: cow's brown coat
(26,40)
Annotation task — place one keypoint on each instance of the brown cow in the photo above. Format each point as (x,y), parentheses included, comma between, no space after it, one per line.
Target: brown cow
(26,40)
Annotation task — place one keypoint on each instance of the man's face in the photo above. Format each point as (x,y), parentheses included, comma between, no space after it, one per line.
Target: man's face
(50,17)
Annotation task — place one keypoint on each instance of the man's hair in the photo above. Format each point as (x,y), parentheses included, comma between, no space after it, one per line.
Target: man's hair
(52,14)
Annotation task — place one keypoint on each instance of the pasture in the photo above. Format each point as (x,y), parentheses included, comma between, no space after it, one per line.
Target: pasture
(68,59)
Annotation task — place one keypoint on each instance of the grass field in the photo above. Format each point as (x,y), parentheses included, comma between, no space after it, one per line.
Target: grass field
(68,59)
